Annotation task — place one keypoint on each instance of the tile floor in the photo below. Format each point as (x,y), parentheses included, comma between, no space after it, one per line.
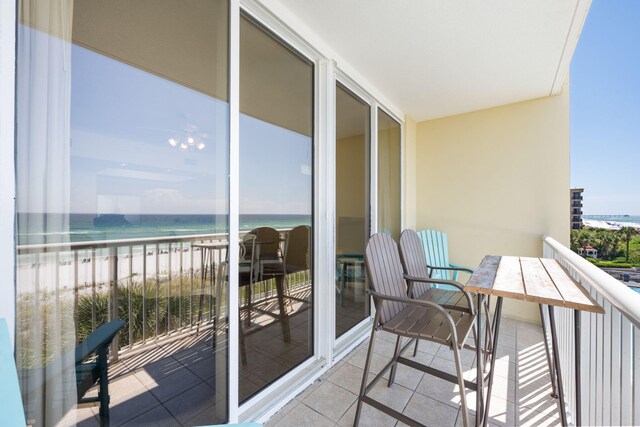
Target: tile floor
(521,390)
(152,386)
(172,381)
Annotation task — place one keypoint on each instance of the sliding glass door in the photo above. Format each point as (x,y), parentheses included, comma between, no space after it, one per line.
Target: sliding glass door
(352,207)
(122,207)
(276,208)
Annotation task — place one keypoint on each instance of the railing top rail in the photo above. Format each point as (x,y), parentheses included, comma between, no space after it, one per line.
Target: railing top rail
(127,242)
(617,294)
(118,242)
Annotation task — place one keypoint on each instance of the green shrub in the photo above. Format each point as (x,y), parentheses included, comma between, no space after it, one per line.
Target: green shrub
(609,264)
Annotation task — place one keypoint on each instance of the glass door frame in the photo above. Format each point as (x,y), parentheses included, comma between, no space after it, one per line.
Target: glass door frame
(305,373)
(343,345)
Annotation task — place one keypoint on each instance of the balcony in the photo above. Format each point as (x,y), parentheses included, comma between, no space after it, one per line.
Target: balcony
(164,370)
(171,355)
(434,153)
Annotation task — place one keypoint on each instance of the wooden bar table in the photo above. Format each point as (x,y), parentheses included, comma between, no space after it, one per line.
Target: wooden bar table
(544,282)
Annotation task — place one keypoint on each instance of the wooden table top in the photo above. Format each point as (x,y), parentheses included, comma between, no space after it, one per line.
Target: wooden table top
(211,245)
(539,280)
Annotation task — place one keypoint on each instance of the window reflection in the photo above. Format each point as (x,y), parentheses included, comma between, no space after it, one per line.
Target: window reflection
(276,205)
(122,200)
(352,208)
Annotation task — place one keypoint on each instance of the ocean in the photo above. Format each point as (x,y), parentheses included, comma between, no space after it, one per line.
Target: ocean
(52,228)
(611,222)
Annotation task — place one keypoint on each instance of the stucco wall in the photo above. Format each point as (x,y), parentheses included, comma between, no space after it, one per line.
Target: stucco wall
(496,181)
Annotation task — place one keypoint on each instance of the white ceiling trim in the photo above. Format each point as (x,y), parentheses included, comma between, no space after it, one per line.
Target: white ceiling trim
(579,18)
(436,58)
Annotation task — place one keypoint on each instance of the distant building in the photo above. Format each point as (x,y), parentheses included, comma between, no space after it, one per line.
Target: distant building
(588,252)
(575,208)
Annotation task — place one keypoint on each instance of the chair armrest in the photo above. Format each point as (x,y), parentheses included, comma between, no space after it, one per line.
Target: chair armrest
(463,268)
(451,267)
(97,339)
(460,286)
(436,281)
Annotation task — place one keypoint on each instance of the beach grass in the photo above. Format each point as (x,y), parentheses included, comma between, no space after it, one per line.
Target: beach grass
(51,324)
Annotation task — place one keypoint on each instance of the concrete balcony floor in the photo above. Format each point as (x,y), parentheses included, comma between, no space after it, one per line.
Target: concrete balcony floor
(171,383)
(521,390)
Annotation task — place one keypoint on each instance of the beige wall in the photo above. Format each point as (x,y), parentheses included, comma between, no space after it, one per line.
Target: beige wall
(496,181)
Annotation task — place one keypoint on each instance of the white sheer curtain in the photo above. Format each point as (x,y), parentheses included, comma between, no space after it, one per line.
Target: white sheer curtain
(388,175)
(45,336)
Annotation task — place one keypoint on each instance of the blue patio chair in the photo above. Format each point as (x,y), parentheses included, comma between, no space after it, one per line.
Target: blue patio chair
(10,400)
(436,249)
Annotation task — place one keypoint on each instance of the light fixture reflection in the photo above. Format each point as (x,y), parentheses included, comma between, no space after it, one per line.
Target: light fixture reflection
(187,144)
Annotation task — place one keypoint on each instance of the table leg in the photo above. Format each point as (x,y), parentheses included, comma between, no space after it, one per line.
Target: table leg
(556,360)
(494,350)
(479,364)
(576,326)
(552,366)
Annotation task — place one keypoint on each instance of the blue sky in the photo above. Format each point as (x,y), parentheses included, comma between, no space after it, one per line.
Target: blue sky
(121,120)
(605,109)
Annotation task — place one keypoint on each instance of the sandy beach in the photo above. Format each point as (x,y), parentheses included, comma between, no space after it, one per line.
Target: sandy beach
(609,225)
(48,269)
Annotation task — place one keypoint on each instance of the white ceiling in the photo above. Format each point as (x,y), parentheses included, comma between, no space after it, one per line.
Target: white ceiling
(435,58)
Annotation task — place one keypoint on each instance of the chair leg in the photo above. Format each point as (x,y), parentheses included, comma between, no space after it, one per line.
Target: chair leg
(415,349)
(463,395)
(396,353)
(103,392)
(365,375)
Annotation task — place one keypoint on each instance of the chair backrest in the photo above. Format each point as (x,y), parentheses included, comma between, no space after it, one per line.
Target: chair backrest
(413,259)
(384,273)
(249,254)
(436,249)
(269,240)
(296,257)
(248,248)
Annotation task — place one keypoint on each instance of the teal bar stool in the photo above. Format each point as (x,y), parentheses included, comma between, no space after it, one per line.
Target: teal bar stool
(10,399)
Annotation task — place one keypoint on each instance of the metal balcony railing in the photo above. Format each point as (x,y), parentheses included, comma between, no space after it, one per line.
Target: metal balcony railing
(152,283)
(609,345)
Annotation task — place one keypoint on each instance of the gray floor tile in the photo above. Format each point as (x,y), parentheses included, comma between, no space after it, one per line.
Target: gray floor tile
(330,400)
(395,397)
(190,403)
(369,417)
(440,390)
(348,377)
(207,417)
(430,412)
(158,416)
(131,407)
(302,415)
(174,385)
